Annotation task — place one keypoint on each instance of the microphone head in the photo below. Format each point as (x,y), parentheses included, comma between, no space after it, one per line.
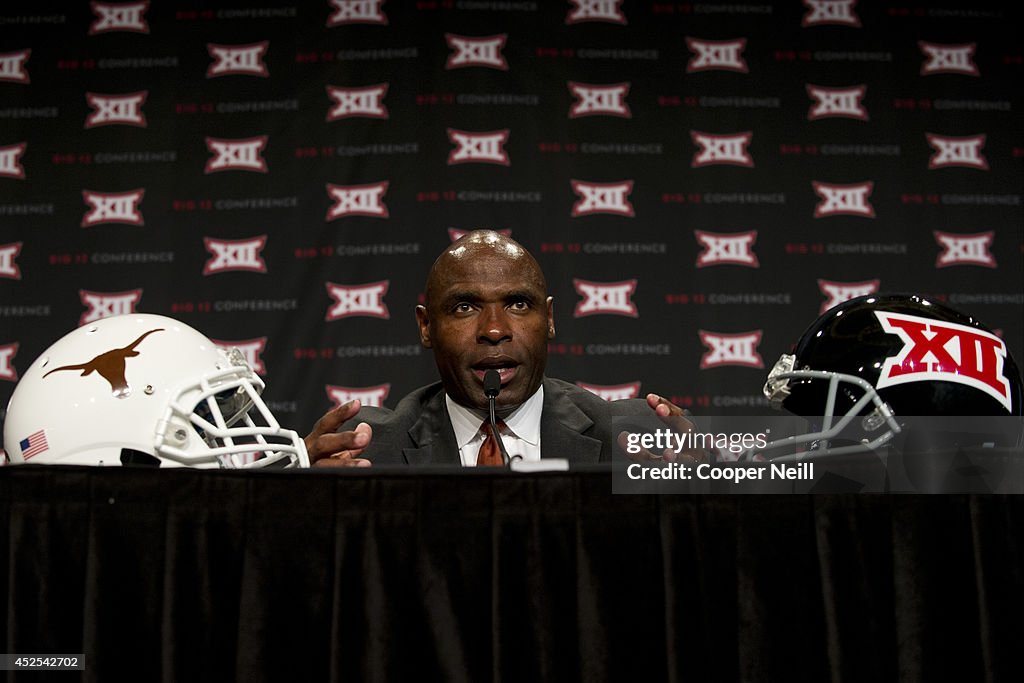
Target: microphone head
(492,383)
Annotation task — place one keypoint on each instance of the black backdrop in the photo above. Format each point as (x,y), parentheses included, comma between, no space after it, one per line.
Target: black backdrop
(860,146)
(697,179)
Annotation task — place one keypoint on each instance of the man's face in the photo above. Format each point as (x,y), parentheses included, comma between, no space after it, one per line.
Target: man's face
(487,309)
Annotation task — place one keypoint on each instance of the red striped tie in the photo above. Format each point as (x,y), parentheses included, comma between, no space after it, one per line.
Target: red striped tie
(489,453)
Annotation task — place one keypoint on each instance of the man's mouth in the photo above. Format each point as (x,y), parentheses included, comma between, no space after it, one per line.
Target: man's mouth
(506,369)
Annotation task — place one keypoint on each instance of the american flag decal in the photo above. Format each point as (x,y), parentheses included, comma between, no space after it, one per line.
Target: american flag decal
(34,444)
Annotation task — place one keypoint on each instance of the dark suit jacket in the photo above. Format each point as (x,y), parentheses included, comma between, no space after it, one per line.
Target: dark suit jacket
(575,425)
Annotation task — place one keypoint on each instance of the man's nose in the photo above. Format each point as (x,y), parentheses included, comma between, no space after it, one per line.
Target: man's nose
(494,325)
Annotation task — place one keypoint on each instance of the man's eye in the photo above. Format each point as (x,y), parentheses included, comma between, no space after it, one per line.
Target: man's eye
(463,307)
(520,306)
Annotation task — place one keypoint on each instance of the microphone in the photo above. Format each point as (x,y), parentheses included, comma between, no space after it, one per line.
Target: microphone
(492,387)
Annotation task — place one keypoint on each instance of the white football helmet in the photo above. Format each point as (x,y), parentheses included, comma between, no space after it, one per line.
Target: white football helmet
(145,389)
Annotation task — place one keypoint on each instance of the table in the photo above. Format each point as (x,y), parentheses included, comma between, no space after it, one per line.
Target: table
(442,574)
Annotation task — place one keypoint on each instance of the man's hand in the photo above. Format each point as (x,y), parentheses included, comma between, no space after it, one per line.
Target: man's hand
(328,447)
(674,417)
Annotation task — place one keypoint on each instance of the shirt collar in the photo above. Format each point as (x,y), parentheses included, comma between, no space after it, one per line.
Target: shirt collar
(523,422)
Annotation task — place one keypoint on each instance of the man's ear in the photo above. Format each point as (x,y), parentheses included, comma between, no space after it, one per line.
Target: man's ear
(423,322)
(551,317)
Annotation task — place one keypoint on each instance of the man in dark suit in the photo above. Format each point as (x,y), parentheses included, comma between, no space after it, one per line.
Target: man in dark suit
(486,308)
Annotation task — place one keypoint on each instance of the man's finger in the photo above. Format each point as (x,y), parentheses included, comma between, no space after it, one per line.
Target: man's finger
(691,456)
(643,455)
(344,448)
(334,443)
(669,413)
(684,455)
(343,460)
(335,417)
(663,407)
(328,424)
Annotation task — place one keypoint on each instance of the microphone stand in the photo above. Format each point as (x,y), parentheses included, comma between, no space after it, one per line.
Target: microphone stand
(492,387)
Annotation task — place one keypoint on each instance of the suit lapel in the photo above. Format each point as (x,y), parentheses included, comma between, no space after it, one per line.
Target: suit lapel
(433,436)
(562,426)
(561,431)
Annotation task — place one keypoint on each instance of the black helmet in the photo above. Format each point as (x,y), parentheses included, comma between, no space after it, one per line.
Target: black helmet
(919,357)
(879,366)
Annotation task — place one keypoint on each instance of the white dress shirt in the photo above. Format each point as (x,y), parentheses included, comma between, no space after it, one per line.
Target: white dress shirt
(521,434)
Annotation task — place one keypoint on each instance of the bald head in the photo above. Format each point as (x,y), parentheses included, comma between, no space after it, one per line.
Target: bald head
(481,245)
(487,308)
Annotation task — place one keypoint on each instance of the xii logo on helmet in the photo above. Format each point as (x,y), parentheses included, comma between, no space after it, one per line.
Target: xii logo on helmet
(946,351)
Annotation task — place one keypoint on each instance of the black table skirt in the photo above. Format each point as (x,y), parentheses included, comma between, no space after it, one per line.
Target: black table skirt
(469,576)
